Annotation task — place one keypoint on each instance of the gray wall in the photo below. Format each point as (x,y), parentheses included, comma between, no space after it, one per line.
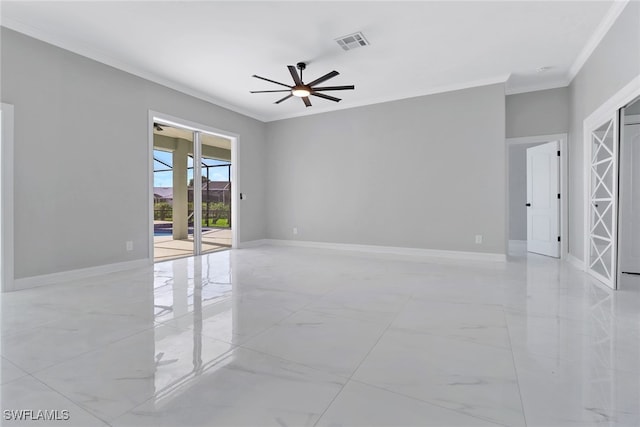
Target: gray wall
(614,63)
(81,156)
(542,112)
(425,172)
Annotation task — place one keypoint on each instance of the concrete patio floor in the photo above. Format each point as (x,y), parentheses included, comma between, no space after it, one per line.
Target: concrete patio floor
(165,248)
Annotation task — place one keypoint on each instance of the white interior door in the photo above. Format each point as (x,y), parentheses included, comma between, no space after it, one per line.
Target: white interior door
(543,203)
(630,199)
(602,202)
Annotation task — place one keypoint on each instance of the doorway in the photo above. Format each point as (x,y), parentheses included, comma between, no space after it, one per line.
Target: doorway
(527,229)
(629,194)
(194,197)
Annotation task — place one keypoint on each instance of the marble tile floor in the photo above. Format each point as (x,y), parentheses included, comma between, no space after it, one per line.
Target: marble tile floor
(275,336)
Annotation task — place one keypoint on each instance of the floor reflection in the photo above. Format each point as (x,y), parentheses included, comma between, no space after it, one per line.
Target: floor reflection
(281,336)
(186,292)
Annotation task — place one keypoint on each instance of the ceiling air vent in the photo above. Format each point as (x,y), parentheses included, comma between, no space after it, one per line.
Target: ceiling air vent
(352,41)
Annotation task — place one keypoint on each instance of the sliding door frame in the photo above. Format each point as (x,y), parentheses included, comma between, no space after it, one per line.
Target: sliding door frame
(197,128)
(593,218)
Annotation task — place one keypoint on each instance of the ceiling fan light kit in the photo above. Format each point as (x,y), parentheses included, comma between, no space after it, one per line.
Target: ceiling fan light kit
(302,90)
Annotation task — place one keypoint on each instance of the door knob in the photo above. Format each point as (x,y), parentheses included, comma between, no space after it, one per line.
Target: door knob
(528,204)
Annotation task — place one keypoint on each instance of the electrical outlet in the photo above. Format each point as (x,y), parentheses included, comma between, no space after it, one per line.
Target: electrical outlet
(129,245)
(295,230)
(478,239)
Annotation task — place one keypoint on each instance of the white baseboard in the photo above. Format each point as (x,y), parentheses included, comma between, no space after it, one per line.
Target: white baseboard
(579,264)
(252,243)
(83,273)
(66,276)
(392,250)
(518,244)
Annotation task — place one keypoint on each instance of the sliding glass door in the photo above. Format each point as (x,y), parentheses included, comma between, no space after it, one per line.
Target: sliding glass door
(215,171)
(192,192)
(173,207)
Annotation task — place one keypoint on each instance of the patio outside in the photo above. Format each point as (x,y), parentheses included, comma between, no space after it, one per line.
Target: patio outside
(165,247)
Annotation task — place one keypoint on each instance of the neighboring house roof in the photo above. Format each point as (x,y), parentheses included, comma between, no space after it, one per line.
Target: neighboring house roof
(163,192)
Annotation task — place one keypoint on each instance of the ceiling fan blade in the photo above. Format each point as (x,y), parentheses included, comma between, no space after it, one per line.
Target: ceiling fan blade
(272,81)
(324,78)
(322,95)
(270,91)
(349,87)
(283,99)
(306,101)
(294,74)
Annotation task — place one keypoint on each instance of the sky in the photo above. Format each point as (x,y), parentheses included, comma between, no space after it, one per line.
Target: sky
(165,179)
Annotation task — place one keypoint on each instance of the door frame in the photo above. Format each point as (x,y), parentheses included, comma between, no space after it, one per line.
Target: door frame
(564,187)
(6,197)
(610,108)
(635,121)
(235,174)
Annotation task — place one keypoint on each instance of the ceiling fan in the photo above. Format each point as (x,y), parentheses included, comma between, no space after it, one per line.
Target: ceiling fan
(302,90)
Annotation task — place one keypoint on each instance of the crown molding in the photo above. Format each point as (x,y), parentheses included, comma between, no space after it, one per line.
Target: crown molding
(501,79)
(90,52)
(536,87)
(96,55)
(601,31)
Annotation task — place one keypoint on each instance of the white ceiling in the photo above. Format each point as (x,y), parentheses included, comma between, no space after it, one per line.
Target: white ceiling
(211,49)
